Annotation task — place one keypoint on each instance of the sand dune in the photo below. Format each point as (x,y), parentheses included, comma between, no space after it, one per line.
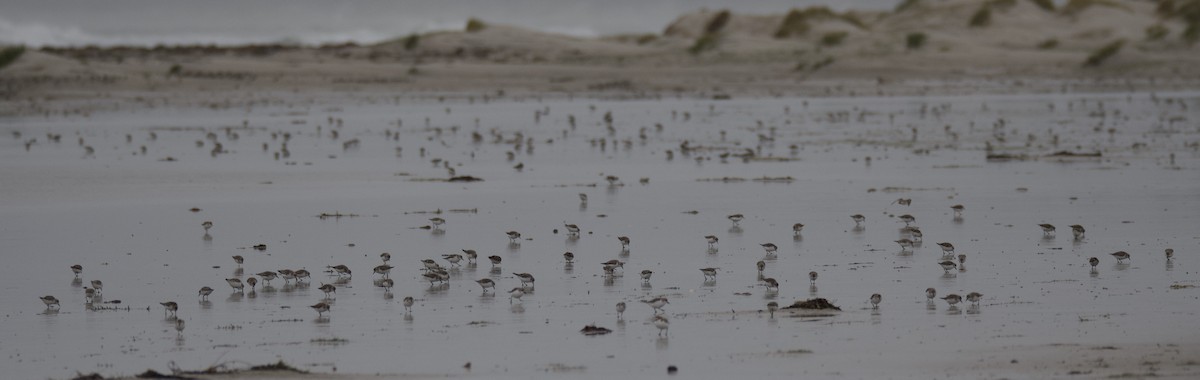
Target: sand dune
(806,50)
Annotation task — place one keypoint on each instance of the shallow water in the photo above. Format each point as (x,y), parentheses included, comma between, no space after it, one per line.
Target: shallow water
(125,217)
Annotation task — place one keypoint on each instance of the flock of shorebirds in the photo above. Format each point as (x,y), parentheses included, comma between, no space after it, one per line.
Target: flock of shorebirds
(437,274)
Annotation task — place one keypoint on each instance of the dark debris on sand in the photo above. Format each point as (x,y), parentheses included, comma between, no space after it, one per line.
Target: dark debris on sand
(814,304)
(594,330)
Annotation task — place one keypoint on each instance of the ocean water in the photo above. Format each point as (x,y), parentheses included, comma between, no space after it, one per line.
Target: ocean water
(150,22)
(126,215)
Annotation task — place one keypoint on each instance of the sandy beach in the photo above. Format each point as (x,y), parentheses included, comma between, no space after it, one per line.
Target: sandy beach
(152,166)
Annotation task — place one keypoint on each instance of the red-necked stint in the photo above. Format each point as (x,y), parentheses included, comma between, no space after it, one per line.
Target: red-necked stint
(662,324)
(267,276)
(252,282)
(569,257)
(657,303)
(207,225)
(515,293)
(408,303)
(930,293)
(858,219)
(321,308)
(947,248)
(383,269)
(948,265)
(236,284)
(471,255)
(1121,255)
(974,297)
(385,257)
(905,244)
(1170,253)
(340,270)
(712,240)
(620,309)
(486,284)
(709,273)
(50,301)
(571,229)
(526,278)
(238,259)
(907,219)
(796,228)
(624,241)
(495,260)
(736,218)
(98,285)
(437,222)
(169,307)
(875,300)
(770,248)
(952,299)
(1047,229)
(958,209)
(771,283)
(646,275)
(77,269)
(1094,261)
(328,288)
(771,307)
(1078,231)
(513,236)
(812,278)
(453,258)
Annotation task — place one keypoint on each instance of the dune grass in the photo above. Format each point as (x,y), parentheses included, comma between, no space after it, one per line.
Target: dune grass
(797,21)
(833,38)
(717,22)
(1048,44)
(475,25)
(412,41)
(915,41)
(1156,32)
(1103,53)
(1187,11)
(10,54)
(906,5)
(982,17)
(704,43)
(1046,5)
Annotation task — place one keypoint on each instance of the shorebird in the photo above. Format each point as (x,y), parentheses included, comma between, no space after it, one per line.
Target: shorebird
(974,297)
(430,264)
(495,260)
(431,277)
(50,301)
(437,222)
(1120,255)
(812,278)
(620,309)
(1170,253)
(569,257)
(515,293)
(513,236)
(169,307)
(179,326)
(1078,231)
(796,228)
(1094,261)
(77,269)
(302,273)
(207,225)
(771,283)
(656,303)
(736,218)
(958,209)
(905,244)
(948,265)
(952,299)
(571,229)
(582,198)
(252,281)
(761,265)
(526,278)
(408,303)
(99,286)
(89,294)
(858,219)
(947,248)
(662,324)
(238,259)
(962,259)
(471,255)
(930,293)
(646,275)
(624,241)
(236,284)
(383,269)
(709,273)
(1047,229)
(340,270)
(615,263)
(321,308)
(453,258)
(385,257)
(903,201)
(875,300)
(907,219)
(612,180)
(712,240)
(386,284)
(287,275)
(486,284)
(328,288)
(915,233)
(770,248)
(267,276)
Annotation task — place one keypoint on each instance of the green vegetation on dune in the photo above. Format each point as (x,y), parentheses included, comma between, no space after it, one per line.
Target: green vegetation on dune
(718,22)
(1048,44)
(1104,53)
(981,18)
(10,54)
(915,41)
(1187,11)
(1047,5)
(1073,7)
(833,38)
(411,41)
(474,25)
